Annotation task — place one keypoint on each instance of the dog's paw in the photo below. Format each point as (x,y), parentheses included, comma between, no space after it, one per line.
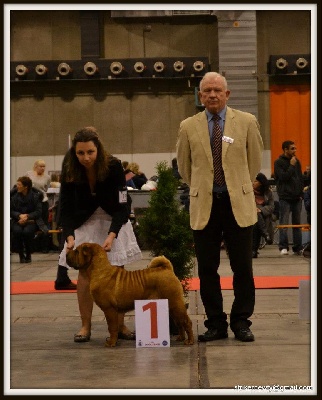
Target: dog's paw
(110,343)
(180,338)
(189,342)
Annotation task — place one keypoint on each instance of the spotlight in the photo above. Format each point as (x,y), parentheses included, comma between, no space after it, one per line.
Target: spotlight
(178,66)
(41,70)
(90,68)
(198,66)
(64,69)
(281,63)
(159,66)
(21,70)
(139,67)
(116,68)
(301,63)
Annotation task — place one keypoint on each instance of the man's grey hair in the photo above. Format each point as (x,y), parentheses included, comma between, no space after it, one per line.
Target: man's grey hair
(213,75)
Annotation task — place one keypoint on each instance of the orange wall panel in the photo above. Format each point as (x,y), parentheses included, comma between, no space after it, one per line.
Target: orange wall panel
(290,119)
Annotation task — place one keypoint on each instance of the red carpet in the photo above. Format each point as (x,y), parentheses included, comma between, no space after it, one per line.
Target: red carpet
(261,282)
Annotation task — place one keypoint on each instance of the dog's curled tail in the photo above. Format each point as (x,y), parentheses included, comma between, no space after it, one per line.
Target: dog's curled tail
(160,262)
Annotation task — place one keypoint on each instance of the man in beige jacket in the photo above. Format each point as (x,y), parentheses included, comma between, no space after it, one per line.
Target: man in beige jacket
(225,210)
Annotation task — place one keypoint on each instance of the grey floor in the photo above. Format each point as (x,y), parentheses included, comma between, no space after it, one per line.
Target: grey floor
(41,357)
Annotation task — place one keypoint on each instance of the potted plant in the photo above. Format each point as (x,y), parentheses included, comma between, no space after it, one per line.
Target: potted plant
(164,228)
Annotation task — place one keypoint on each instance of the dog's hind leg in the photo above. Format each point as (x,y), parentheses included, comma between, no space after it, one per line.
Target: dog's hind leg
(184,324)
(188,329)
(112,324)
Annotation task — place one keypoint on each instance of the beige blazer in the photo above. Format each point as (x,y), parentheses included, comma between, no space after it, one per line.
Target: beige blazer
(241,161)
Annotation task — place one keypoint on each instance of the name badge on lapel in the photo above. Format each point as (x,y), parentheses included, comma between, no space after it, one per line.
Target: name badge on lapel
(228,139)
(123,196)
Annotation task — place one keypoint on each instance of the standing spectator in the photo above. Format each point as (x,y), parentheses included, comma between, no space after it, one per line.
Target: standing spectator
(94,208)
(307,176)
(265,208)
(289,185)
(307,204)
(41,181)
(25,210)
(307,199)
(222,204)
(139,177)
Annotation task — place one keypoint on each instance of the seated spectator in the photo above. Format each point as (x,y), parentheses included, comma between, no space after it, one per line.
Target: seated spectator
(139,177)
(265,208)
(125,165)
(25,211)
(128,175)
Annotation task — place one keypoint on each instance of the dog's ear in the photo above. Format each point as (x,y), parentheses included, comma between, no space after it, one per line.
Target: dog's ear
(86,249)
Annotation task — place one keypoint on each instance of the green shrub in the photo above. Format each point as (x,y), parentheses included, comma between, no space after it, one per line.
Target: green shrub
(164,228)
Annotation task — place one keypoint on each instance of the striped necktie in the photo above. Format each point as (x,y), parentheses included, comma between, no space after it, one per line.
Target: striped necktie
(219,176)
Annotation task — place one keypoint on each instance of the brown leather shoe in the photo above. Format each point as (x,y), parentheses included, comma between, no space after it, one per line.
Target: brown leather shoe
(69,286)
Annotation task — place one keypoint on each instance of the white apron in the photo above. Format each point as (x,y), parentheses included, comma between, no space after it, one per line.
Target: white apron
(125,248)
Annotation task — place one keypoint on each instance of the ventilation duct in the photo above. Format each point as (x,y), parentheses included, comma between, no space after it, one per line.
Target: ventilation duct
(41,70)
(178,66)
(198,66)
(116,68)
(159,66)
(281,63)
(64,69)
(289,64)
(90,68)
(21,70)
(139,67)
(301,63)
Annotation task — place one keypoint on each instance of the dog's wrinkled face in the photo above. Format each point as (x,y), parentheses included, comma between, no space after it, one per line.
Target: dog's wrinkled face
(81,257)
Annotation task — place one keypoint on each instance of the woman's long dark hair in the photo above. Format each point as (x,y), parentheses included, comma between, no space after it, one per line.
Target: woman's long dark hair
(72,170)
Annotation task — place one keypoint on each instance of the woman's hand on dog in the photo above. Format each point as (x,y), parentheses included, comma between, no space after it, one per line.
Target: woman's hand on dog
(107,245)
(70,243)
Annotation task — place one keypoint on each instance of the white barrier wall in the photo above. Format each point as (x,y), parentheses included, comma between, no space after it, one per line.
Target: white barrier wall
(147,162)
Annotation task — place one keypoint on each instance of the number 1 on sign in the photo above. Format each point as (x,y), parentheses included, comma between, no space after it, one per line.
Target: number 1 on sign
(152,306)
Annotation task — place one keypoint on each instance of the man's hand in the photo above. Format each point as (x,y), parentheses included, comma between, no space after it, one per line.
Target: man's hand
(293,160)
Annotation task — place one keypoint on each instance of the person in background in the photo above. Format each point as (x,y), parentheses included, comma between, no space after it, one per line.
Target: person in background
(54,181)
(307,198)
(94,208)
(222,204)
(125,165)
(307,176)
(306,251)
(139,177)
(128,175)
(265,207)
(289,186)
(175,171)
(41,181)
(25,210)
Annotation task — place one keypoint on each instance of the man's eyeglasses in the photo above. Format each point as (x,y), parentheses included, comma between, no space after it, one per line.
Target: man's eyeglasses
(292,148)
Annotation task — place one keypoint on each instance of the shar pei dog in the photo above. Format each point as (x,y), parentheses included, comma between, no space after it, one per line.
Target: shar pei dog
(114,289)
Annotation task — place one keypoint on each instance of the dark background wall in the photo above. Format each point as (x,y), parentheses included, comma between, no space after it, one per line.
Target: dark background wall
(137,119)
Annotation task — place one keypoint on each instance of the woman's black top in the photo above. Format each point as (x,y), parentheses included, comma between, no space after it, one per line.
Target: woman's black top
(78,203)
